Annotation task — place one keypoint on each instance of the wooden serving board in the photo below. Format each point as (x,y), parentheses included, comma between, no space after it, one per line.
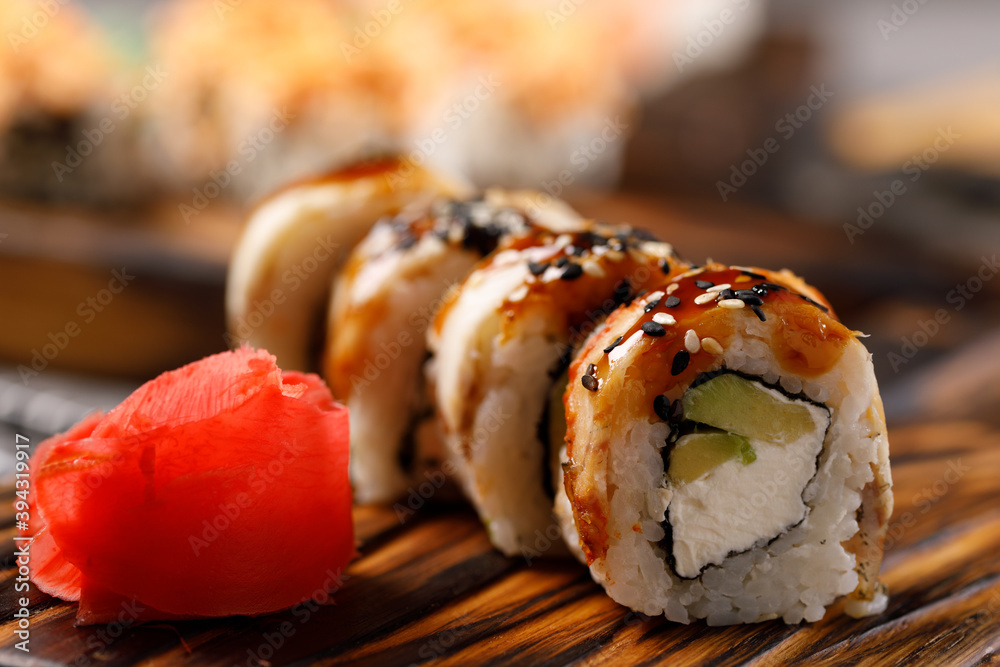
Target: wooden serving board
(431,589)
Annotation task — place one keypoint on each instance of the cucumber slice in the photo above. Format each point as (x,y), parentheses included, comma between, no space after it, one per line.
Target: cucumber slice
(695,455)
(738,405)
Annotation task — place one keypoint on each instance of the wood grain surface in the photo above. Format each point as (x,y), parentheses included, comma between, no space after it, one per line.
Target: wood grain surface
(428,588)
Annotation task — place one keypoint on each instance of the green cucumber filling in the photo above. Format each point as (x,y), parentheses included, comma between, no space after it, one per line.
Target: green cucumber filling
(744,453)
(698,454)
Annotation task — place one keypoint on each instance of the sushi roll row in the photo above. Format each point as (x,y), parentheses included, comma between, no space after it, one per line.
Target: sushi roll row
(709,440)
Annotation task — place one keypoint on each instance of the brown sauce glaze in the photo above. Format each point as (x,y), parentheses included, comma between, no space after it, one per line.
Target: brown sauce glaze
(808,341)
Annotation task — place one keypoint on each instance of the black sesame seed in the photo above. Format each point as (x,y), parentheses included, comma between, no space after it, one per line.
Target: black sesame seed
(755,276)
(770,286)
(481,239)
(680,362)
(572,272)
(664,266)
(728,294)
(661,406)
(596,239)
(407,242)
(615,343)
(759,290)
(561,262)
(651,305)
(536,268)
(592,370)
(741,293)
(674,436)
(703,284)
(758,312)
(575,250)
(589,382)
(672,302)
(818,305)
(653,329)
(623,292)
(752,300)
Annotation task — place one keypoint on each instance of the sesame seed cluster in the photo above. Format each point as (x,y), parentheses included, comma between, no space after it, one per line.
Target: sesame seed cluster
(663,309)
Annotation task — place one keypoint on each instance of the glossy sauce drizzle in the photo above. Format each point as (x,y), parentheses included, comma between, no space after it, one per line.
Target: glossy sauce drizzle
(807,339)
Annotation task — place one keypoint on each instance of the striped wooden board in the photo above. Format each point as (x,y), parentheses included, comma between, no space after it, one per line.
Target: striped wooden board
(430,588)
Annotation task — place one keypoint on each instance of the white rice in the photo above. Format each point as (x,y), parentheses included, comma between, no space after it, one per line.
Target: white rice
(797,575)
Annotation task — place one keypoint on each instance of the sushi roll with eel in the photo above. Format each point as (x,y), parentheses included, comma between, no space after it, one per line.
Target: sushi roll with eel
(501,348)
(726,453)
(295,241)
(384,298)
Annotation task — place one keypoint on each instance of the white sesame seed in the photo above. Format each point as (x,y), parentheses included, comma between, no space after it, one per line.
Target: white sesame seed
(518,294)
(692,272)
(654,296)
(616,255)
(551,273)
(672,287)
(665,319)
(719,288)
(563,240)
(732,304)
(455,235)
(702,299)
(711,345)
(592,268)
(637,256)
(658,249)
(691,341)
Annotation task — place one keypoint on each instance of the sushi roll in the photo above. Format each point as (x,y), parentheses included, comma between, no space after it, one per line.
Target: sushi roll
(383,301)
(295,241)
(501,348)
(726,453)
